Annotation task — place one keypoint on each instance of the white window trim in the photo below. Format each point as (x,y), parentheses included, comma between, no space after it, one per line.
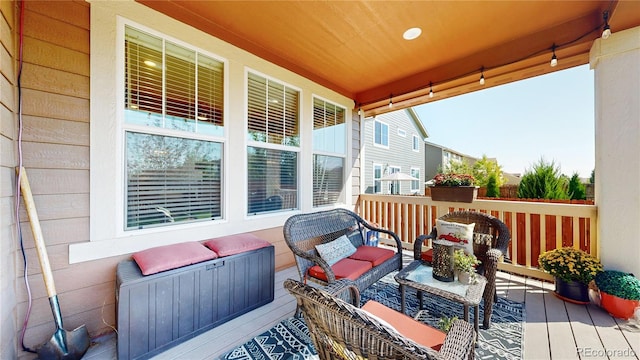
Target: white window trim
(373,176)
(105,176)
(347,123)
(374,134)
(411,182)
(413,141)
(402,132)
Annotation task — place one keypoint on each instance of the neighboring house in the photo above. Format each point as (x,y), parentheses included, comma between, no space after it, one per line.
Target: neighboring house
(394,143)
(438,158)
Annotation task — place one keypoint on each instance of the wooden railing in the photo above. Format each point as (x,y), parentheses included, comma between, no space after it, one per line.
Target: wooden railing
(535,226)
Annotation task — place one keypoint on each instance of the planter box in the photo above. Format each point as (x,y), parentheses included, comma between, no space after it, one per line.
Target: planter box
(454,193)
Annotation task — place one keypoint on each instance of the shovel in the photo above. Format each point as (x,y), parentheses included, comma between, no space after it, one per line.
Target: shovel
(63,344)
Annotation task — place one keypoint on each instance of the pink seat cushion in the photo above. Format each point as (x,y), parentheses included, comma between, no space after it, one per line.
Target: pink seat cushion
(423,334)
(173,256)
(235,244)
(345,268)
(373,254)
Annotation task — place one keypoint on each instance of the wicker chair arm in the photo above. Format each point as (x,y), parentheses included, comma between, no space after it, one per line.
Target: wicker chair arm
(346,290)
(388,232)
(420,240)
(331,277)
(459,341)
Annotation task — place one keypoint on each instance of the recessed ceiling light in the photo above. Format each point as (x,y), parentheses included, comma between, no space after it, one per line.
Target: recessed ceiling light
(412,33)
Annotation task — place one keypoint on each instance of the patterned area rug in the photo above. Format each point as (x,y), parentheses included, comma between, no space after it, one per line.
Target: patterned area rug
(290,339)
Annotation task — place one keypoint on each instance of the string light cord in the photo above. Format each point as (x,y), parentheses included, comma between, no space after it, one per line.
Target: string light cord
(19,175)
(485,68)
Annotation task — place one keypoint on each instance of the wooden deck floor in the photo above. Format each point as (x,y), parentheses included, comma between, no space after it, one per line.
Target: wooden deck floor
(554,329)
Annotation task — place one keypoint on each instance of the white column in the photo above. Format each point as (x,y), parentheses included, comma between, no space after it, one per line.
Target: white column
(616,62)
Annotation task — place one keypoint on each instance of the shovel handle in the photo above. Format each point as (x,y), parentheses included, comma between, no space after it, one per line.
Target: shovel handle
(37,232)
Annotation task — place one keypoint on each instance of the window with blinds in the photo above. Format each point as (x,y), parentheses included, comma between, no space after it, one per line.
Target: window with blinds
(273,112)
(174,126)
(170,86)
(377,174)
(274,139)
(329,146)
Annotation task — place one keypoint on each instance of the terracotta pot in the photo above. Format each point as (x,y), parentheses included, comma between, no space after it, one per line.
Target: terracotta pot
(572,291)
(618,307)
(454,193)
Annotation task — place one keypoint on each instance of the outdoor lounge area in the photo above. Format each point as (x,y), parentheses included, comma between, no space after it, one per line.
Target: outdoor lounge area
(550,327)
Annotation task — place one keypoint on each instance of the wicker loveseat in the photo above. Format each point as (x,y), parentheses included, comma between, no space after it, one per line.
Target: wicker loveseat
(488,254)
(340,330)
(302,232)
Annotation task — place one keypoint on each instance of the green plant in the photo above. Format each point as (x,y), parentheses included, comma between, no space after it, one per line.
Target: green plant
(484,169)
(493,190)
(543,181)
(570,264)
(453,179)
(446,322)
(464,262)
(577,190)
(618,283)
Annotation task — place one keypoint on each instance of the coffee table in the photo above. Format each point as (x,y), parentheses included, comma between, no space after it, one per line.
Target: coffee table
(419,276)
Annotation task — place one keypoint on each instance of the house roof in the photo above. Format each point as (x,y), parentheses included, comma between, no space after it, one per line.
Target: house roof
(356,47)
(419,125)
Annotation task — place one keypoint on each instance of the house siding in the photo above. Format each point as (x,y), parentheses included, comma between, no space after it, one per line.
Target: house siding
(433,160)
(56,153)
(399,154)
(8,247)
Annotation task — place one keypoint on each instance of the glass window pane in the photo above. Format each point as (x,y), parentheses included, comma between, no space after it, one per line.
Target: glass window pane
(272,180)
(171,180)
(329,128)
(328,180)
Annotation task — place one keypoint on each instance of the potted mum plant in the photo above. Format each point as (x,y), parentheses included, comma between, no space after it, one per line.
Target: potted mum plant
(464,266)
(619,293)
(572,269)
(453,187)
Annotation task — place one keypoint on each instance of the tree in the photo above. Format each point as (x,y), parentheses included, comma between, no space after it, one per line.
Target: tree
(592,179)
(458,167)
(543,181)
(486,167)
(577,190)
(493,190)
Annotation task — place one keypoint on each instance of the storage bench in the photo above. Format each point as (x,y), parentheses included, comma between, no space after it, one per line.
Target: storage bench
(156,312)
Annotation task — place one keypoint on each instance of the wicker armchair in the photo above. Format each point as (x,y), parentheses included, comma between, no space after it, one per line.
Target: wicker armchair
(302,232)
(340,330)
(490,256)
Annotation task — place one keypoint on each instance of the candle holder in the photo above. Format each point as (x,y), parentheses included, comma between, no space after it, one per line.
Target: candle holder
(443,260)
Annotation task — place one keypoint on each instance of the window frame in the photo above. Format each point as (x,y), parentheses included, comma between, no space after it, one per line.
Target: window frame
(416,143)
(342,155)
(415,182)
(375,127)
(271,146)
(377,179)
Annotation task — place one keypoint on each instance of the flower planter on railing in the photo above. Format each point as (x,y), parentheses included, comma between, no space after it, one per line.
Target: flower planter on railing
(454,193)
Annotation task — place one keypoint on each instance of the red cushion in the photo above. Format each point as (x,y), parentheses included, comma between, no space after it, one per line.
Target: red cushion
(235,244)
(419,332)
(173,256)
(373,254)
(427,255)
(345,268)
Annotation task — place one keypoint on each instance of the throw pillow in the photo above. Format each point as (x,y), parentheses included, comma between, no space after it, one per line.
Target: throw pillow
(235,244)
(336,250)
(462,234)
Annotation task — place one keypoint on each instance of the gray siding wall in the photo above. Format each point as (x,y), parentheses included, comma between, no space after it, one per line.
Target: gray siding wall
(433,160)
(399,154)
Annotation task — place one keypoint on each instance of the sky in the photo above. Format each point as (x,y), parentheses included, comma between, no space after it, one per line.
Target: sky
(549,116)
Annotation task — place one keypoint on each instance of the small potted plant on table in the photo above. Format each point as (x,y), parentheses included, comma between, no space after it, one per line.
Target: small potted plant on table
(464,265)
(572,269)
(619,293)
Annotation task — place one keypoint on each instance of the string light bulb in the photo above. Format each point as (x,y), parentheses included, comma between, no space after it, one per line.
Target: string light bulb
(390,101)
(554,59)
(482,76)
(430,90)
(606,31)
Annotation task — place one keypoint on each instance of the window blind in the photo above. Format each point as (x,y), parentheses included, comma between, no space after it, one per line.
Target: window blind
(328,179)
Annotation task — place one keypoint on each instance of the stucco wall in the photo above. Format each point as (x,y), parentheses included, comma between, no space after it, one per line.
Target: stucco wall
(617,121)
